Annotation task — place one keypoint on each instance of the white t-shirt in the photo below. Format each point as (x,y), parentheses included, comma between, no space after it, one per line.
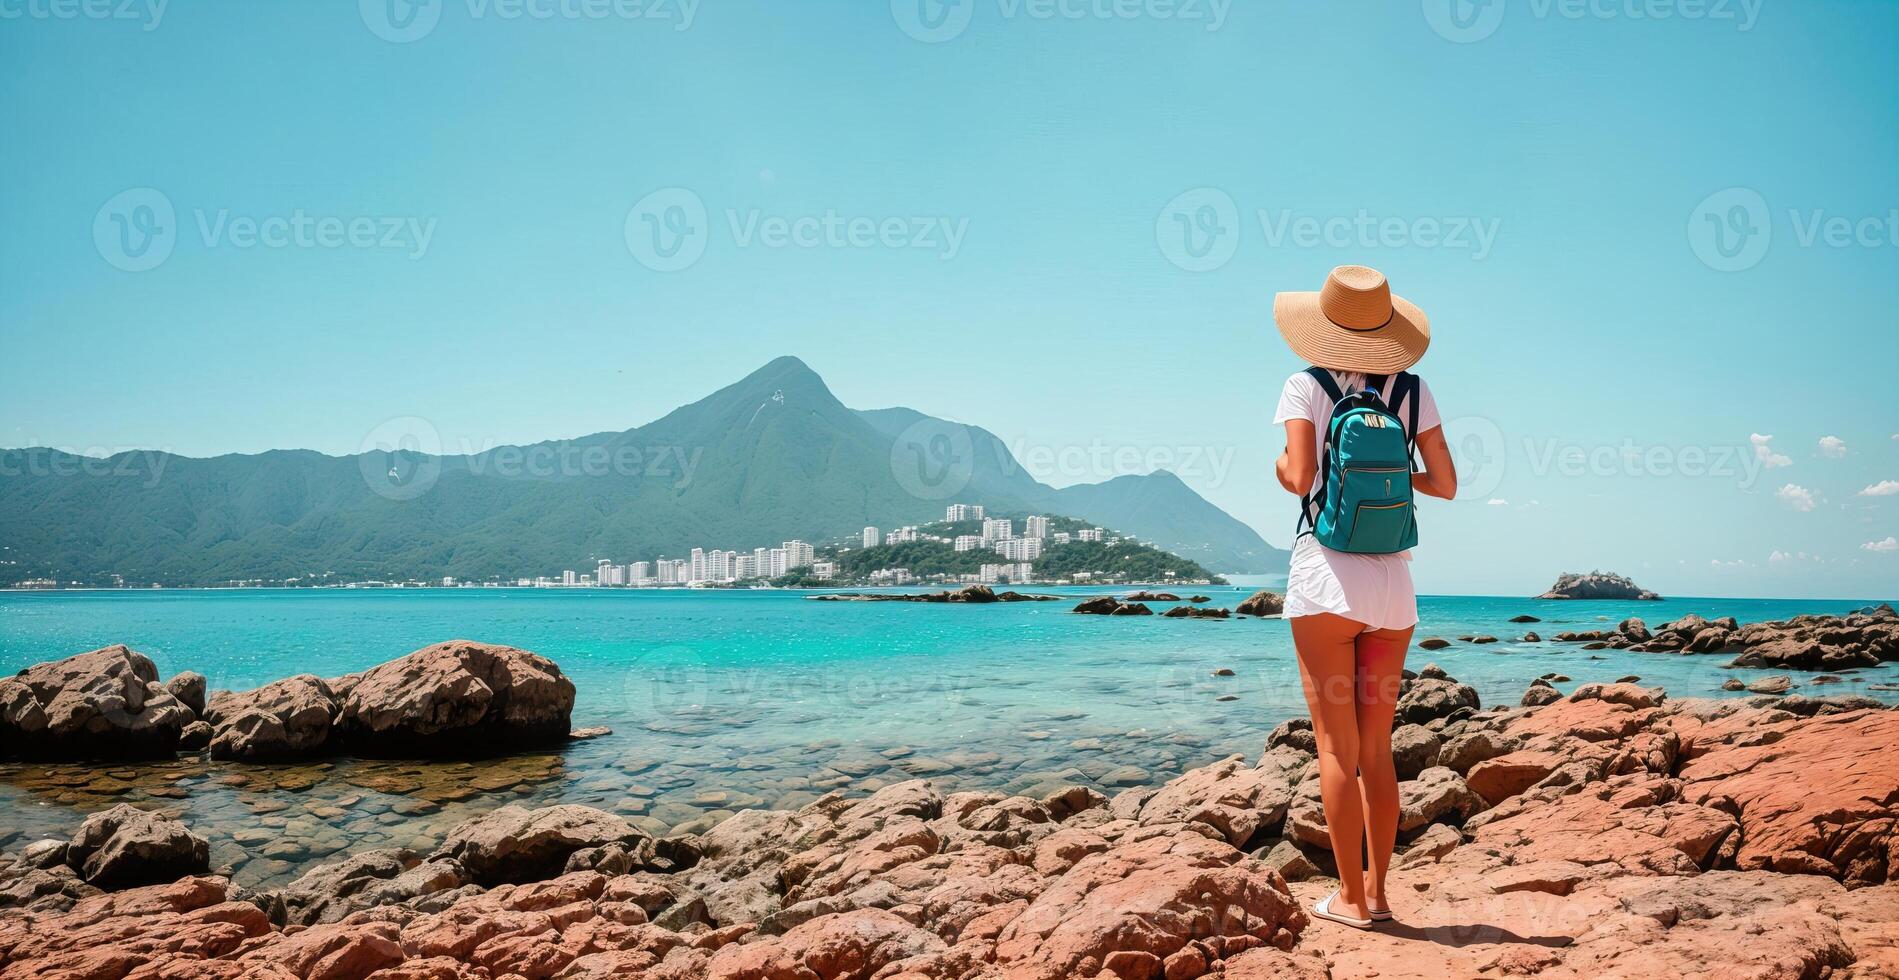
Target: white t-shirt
(1373,589)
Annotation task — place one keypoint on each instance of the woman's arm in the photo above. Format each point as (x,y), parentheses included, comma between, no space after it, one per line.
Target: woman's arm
(1298,467)
(1439,478)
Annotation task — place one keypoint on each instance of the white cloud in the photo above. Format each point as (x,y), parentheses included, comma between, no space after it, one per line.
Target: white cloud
(1890,544)
(1498,502)
(1765,452)
(1884,488)
(1736,563)
(1797,497)
(1833,447)
(1780,557)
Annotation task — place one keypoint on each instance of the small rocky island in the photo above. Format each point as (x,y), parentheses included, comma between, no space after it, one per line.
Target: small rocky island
(1597,585)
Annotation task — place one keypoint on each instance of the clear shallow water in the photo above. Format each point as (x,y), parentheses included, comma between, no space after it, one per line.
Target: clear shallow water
(720,700)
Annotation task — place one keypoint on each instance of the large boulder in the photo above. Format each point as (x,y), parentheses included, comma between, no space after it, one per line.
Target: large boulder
(516,844)
(188,687)
(1263,603)
(281,720)
(458,697)
(1132,909)
(1429,698)
(125,847)
(102,704)
(1241,802)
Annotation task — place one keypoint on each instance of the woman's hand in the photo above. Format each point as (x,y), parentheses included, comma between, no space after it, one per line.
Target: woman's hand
(1298,467)
(1439,478)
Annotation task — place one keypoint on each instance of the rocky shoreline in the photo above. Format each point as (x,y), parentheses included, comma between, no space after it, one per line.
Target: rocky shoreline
(1606,831)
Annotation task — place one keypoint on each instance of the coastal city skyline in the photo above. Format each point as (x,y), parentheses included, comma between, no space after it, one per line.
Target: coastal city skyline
(714,566)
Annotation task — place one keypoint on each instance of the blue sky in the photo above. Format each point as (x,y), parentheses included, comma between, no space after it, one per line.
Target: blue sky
(449,212)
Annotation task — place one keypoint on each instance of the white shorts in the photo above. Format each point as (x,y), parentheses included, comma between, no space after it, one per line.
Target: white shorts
(1373,589)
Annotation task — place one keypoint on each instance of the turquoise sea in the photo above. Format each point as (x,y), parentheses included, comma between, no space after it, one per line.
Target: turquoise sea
(724,699)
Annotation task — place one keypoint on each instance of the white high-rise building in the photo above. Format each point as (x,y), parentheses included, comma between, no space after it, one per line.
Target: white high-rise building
(902,535)
(697,573)
(775,563)
(1060,537)
(1089,534)
(1035,527)
(639,573)
(567,578)
(798,555)
(1019,549)
(872,537)
(1016,573)
(997,529)
(963,512)
(719,565)
(968,542)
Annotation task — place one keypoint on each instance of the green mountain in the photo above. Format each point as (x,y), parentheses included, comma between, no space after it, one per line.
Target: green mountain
(772,457)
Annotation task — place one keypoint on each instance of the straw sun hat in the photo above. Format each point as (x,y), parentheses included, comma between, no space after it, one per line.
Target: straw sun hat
(1353,324)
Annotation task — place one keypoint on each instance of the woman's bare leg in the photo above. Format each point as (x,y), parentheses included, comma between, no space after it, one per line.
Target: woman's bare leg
(1380,672)
(1328,669)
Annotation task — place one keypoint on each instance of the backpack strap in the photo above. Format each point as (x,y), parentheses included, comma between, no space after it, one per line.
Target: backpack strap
(1326,383)
(1405,389)
(1316,498)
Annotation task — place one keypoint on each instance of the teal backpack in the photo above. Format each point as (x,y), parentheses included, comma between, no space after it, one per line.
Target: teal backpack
(1363,497)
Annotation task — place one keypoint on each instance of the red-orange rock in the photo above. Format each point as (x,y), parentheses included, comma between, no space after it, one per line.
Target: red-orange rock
(1823,799)
(1507,775)
(850,946)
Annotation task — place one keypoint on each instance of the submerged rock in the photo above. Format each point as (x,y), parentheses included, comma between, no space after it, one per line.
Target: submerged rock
(126,846)
(516,844)
(1263,603)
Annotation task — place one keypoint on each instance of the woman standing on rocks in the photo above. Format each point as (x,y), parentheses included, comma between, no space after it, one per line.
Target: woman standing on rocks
(1357,426)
